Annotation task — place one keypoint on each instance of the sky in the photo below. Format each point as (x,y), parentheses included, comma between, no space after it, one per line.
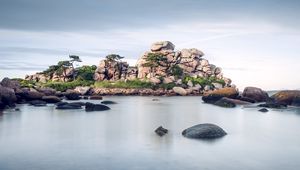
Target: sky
(255,42)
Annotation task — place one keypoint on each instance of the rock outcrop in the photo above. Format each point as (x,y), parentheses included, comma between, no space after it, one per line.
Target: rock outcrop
(257,94)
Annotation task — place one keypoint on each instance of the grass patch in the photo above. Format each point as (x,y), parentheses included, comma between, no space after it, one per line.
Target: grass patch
(63,86)
(134,84)
(203,81)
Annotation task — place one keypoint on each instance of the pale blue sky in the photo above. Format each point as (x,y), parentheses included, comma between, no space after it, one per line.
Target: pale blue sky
(255,42)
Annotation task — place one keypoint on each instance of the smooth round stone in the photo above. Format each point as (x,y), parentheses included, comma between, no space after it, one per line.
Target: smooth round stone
(204,131)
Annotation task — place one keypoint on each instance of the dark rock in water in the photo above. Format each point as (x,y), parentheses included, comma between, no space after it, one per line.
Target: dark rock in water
(72,95)
(89,107)
(78,103)
(160,131)
(96,97)
(7,97)
(68,106)
(32,95)
(273,105)
(155,99)
(61,103)
(264,110)
(287,97)
(213,96)
(17,109)
(256,94)
(296,102)
(85,97)
(38,103)
(51,99)
(47,91)
(237,101)
(204,131)
(108,102)
(224,102)
(246,99)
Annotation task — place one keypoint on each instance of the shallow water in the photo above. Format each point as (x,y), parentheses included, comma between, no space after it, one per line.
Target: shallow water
(123,138)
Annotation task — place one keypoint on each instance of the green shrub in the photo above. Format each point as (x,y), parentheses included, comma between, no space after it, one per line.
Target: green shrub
(124,84)
(203,81)
(168,86)
(86,72)
(176,71)
(63,86)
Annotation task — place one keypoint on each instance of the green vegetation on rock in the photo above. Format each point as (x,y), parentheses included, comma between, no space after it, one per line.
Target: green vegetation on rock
(124,84)
(63,86)
(203,81)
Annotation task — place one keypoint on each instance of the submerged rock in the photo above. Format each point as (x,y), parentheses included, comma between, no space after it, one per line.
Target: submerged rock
(38,103)
(108,102)
(273,105)
(264,110)
(225,102)
(89,107)
(160,131)
(204,131)
(51,99)
(256,94)
(68,106)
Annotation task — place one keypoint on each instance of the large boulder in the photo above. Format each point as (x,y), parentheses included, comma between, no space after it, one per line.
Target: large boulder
(225,102)
(213,96)
(89,107)
(31,95)
(47,91)
(256,94)
(7,97)
(204,131)
(287,97)
(6,82)
(179,90)
(162,45)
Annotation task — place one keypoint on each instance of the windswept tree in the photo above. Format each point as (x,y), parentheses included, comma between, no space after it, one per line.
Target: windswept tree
(74,58)
(114,57)
(62,67)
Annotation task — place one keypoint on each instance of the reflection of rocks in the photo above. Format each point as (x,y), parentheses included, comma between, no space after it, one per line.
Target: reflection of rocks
(89,107)
(204,131)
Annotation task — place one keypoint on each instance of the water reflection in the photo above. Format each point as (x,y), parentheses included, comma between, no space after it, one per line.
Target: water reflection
(124,138)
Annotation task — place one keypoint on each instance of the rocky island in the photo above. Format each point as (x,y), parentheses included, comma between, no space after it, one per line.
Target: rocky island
(162,71)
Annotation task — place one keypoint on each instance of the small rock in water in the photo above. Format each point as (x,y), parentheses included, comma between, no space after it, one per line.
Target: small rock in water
(68,106)
(38,103)
(17,109)
(155,99)
(204,131)
(160,131)
(264,110)
(108,102)
(224,102)
(89,107)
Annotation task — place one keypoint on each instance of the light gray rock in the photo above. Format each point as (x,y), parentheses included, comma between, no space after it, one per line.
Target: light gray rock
(162,45)
(179,90)
(82,90)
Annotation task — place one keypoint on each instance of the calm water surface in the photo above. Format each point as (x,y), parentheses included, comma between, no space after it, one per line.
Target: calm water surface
(123,138)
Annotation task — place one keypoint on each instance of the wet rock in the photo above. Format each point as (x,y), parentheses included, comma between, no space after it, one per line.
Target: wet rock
(7,97)
(96,97)
(108,102)
(32,95)
(89,107)
(264,110)
(38,103)
(204,131)
(213,96)
(224,102)
(160,131)
(6,82)
(245,99)
(273,105)
(296,101)
(72,95)
(256,94)
(68,106)
(51,99)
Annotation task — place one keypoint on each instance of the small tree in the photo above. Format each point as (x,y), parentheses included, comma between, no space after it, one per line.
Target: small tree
(74,58)
(62,66)
(113,57)
(154,60)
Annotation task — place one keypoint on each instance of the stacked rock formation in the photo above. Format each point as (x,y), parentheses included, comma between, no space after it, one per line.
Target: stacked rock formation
(114,70)
(158,65)
(67,75)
